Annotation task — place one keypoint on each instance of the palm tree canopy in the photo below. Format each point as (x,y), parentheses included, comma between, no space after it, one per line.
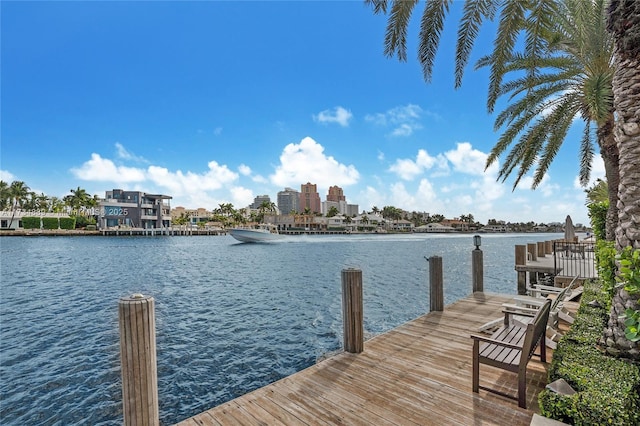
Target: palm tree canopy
(569,78)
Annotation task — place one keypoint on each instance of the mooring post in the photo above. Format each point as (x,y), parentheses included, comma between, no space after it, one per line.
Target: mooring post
(477,268)
(138,358)
(436,293)
(541,249)
(521,260)
(548,247)
(352,312)
(532,248)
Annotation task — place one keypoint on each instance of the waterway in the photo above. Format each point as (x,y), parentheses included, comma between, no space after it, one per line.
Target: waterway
(230,317)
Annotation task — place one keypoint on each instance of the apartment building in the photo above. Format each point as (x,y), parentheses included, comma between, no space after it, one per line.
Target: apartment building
(288,201)
(309,198)
(134,209)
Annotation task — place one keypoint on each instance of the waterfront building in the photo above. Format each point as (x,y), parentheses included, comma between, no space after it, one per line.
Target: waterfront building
(309,198)
(434,227)
(288,201)
(134,209)
(195,215)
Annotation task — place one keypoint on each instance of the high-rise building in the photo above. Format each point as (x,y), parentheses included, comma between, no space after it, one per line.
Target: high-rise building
(309,198)
(288,201)
(257,202)
(335,194)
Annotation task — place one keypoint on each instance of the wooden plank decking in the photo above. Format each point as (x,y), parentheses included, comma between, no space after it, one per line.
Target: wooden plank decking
(416,374)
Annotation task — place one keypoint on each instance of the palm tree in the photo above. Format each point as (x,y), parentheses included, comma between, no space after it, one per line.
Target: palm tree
(79,198)
(18,192)
(598,192)
(624,24)
(332,211)
(571,77)
(5,198)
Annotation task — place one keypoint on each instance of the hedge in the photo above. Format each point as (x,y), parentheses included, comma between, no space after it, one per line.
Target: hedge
(67,223)
(608,388)
(50,223)
(31,222)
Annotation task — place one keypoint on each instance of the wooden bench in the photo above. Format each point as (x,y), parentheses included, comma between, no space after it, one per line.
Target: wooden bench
(510,348)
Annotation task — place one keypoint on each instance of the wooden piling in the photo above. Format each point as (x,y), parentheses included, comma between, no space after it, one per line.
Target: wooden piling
(436,292)
(541,250)
(352,311)
(138,358)
(521,260)
(532,248)
(548,247)
(477,270)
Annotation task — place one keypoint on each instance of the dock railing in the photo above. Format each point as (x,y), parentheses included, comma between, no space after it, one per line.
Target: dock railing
(574,258)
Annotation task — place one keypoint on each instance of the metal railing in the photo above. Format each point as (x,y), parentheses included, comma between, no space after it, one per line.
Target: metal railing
(571,259)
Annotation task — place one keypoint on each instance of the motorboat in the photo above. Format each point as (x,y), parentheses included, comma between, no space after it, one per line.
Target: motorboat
(260,234)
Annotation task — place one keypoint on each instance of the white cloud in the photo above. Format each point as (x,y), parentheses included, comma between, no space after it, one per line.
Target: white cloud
(467,160)
(104,170)
(408,169)
(403,119)
(244,170)
(7,176)
(337,115)
(241,196)
(124,154)
(307,162)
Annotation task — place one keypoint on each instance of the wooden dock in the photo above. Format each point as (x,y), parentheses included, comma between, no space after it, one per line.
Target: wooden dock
(416,374)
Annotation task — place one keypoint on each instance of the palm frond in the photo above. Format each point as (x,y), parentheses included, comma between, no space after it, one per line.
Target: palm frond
(559,122)
(431,26)
(511,23)
(475,12)
(586,155)
(395,40)
(378,6)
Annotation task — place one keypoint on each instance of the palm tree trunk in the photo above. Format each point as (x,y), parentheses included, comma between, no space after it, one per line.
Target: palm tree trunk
(624,24)
(610,157)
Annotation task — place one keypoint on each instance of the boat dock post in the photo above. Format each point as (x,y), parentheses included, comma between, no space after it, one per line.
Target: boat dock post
(138,358)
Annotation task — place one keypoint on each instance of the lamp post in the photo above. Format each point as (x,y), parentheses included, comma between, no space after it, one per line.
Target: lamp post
(477,267)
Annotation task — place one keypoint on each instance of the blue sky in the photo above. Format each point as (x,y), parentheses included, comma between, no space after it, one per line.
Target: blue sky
(218,102)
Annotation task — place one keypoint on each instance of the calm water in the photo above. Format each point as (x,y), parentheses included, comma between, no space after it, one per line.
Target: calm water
(230,317)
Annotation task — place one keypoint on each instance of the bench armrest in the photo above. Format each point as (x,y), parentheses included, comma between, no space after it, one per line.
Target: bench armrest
(509,309)
(486,339)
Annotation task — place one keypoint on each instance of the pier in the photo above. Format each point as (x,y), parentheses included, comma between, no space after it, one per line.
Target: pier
(416,374)
(558,259)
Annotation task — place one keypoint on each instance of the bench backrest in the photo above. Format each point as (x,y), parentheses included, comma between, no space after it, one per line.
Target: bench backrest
(566,292)
(535,332)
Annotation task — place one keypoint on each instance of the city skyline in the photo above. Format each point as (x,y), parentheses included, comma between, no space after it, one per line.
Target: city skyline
(218,102)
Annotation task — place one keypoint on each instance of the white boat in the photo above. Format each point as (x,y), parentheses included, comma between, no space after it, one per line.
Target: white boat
(263,233)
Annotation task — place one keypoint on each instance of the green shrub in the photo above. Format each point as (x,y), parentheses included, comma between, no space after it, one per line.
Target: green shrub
(598,217)
(608,388)
(67,223)
(83,221)
(91,227)
(606,258)
(50,223)
(31,222)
